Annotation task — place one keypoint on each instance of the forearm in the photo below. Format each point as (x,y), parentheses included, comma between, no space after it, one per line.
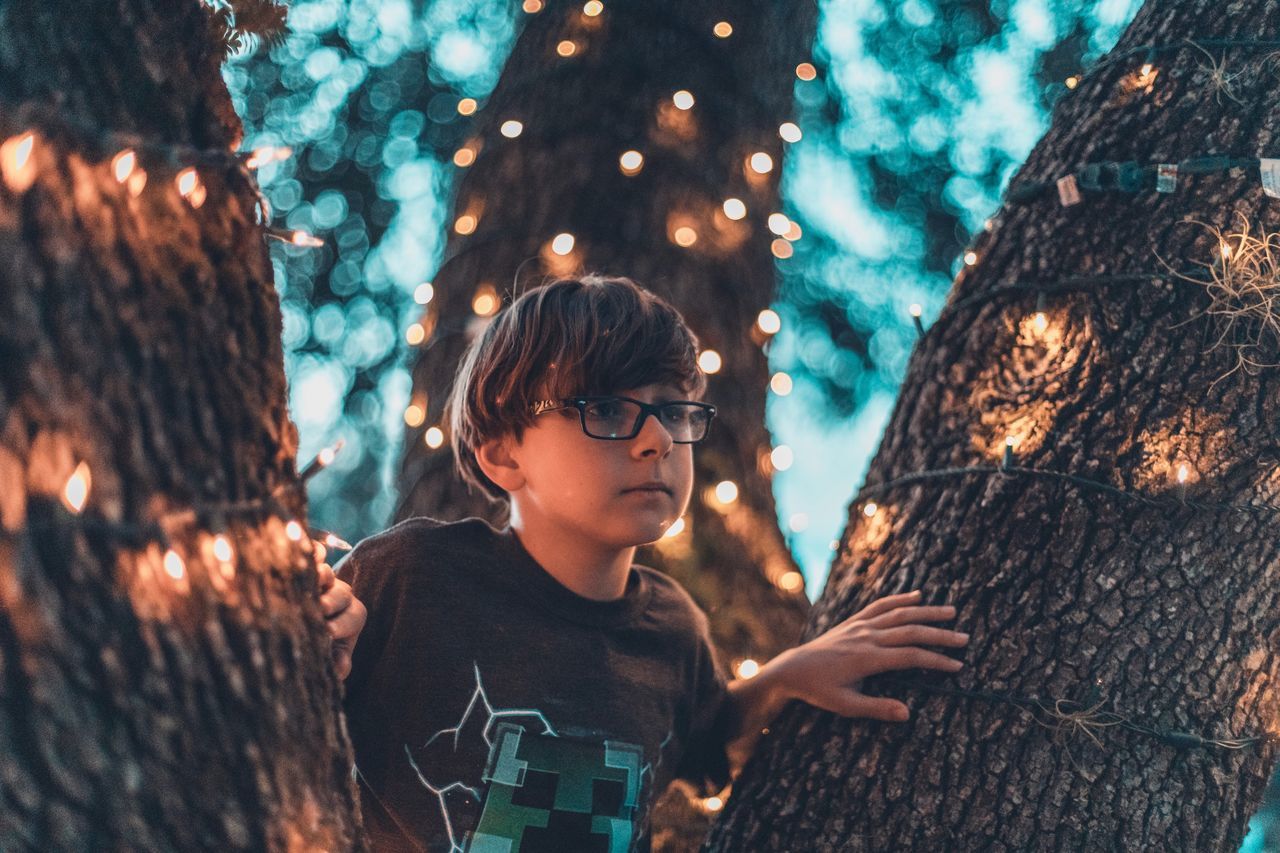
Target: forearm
(755,702)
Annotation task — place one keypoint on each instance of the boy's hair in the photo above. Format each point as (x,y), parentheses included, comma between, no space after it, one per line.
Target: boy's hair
(588,334)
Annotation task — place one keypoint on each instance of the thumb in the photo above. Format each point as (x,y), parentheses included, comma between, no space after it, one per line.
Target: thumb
(851,703)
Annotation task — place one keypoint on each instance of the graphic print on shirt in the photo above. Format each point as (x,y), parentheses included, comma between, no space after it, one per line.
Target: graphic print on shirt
(539,789)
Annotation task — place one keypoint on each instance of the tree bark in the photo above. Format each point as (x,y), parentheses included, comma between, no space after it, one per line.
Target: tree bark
(146,705)
(562,175)
(1157,612)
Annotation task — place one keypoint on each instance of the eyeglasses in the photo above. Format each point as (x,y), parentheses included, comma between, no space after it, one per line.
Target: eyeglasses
(621,418)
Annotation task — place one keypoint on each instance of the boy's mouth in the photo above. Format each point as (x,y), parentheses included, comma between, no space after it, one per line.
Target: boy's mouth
(649,487)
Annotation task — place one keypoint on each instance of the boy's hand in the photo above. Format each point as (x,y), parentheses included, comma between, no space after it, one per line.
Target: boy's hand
(885,635)
(345,616)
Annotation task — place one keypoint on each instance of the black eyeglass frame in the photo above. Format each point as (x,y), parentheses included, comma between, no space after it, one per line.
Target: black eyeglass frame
(646,409)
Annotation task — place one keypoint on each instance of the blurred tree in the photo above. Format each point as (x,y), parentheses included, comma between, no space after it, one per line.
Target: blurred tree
(159,633)
(1119,692)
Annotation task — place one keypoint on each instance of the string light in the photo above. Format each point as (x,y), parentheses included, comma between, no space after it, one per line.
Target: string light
(723,29)
(222,548)
(870,509)
(685,236)
(268,154)
(791,581)
(970,258)
(799,522)
(174,566)
(916,310)
(631,162)
(467,106)
(414,415)
(726,491)
(464,156)
(781,249)
(532,7)
(511,128)
(709,361)
(567,48)
(485,302)
(675,529)
(334,541)
(713,804)
(734,208)
(790,132)
(433,437)
(593,8)
(683,99)
(562,244)
(415,334)
(302,238)
(17,165)
(293,530)
(423,293)
(190,187)
(323,460)
(780,384)
(465,224)
(760,163)
(124,164)
(793,232)
(781,457)
(1040,321)
(747,668)
(1007,460)
(1072,82)
(806,71)
(769,322)
(76,492)
(779,223)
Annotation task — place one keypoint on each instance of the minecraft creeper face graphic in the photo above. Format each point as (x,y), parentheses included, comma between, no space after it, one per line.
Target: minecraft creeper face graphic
(557,793)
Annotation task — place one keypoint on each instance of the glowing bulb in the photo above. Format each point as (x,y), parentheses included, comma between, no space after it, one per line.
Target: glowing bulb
(123,164)
(782,457)
(1072,81)
(567,48)
(781,384)
(190,187)
(415,334)
(713,804)
(1183,473)
(675,529)
(769,321)
(747,668)
(1226,251)
(790,131)
(793,232)
(723,29)
(173,565)
(562,244)
(1010,441)
(302,238)
(726,491)
(293,530)
(335,542)
(423,293)
(760,163)
(709,361)
(1146,70)
(511,128)
(970,258)
(683,99)
(222,548)
(76,491)
(791,581)
(1040,321)
(779,223)
(915,309)
(467,106)
(593,8)
(870,509)
(16,165)
(806,71)
(781,248)
(484,304)
(414,415)
(532,7)
(465,224)
(685,236)
(434,437)
(799,522)
(464,157)
(734,208)
(326,456)
(137,181)
(631,162)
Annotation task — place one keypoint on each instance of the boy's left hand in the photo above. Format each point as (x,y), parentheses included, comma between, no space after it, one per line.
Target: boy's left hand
(344,614)
(885,635)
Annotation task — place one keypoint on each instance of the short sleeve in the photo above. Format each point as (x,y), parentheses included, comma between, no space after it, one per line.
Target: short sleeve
(705,762)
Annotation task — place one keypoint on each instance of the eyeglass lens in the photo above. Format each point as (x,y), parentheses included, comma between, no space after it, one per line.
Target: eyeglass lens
(621,419)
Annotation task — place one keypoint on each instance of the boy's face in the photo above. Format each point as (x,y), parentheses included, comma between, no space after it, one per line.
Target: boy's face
(592,487)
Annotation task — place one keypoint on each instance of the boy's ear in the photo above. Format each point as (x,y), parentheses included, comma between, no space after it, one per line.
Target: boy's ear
(499,465)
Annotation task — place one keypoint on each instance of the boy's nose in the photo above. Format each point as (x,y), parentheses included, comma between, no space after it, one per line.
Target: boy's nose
(653,438)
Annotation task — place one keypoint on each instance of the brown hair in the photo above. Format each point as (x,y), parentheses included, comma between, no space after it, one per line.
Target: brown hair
(588,334)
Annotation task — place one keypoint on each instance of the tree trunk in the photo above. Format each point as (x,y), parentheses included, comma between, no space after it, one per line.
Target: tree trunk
(1148,614)
(562,175)
(148,700)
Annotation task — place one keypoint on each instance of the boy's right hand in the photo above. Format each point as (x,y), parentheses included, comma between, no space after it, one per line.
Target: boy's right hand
(345,616)
(886,635)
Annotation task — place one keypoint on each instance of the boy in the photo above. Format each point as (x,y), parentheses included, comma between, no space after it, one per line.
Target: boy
(529,688)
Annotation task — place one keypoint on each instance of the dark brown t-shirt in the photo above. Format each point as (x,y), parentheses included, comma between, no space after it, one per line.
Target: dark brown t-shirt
(493,708)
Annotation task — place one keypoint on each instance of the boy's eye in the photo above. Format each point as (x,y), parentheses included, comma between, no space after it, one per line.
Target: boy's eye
(605,409)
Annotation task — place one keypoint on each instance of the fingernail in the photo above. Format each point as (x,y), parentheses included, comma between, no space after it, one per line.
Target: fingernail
(964,637)
(957,664)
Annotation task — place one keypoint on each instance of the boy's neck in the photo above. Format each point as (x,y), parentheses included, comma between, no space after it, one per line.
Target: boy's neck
(589,569)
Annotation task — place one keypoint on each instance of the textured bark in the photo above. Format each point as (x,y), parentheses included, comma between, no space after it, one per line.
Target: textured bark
(561,175)
(143,337)
(1164,613)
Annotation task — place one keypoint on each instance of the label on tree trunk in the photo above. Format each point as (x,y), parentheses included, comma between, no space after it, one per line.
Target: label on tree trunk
(1270,177)
(1166,177)
(1068,191)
